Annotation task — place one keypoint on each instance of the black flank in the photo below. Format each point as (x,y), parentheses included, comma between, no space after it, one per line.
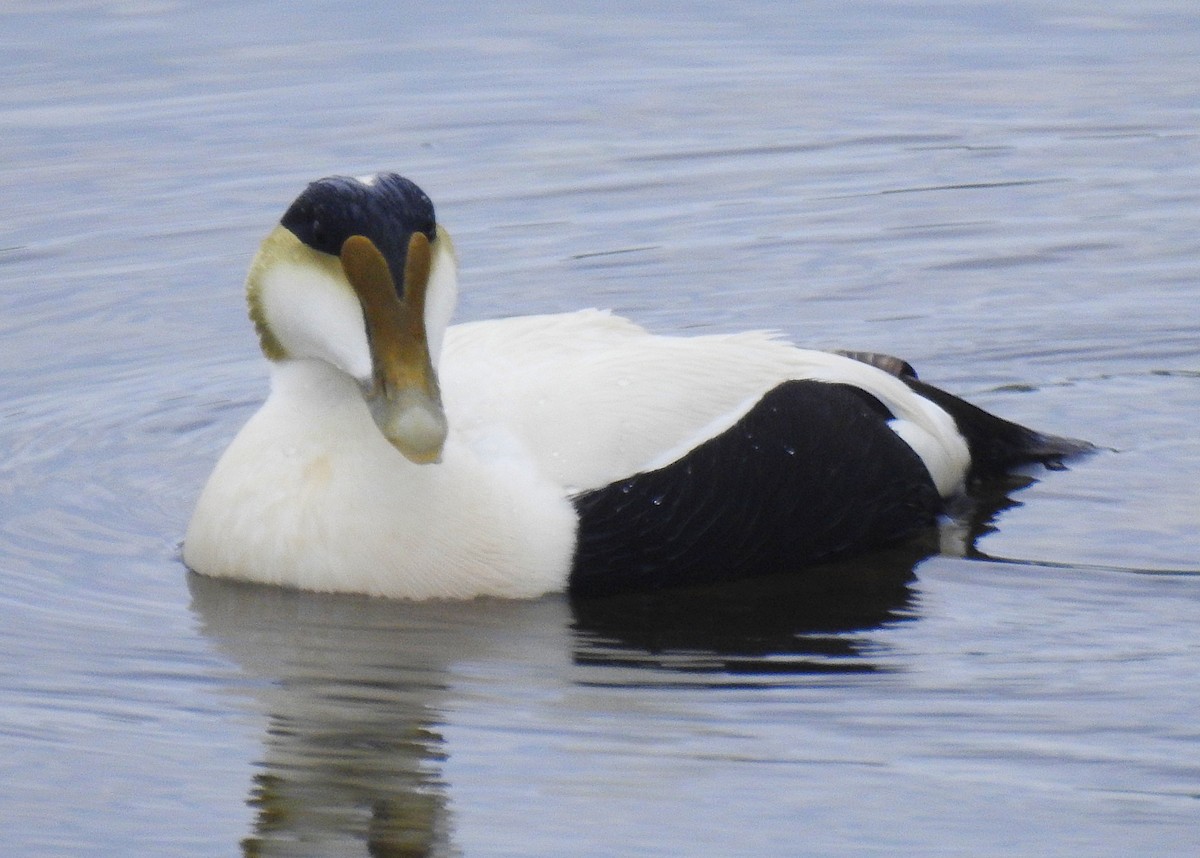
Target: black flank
(811,473)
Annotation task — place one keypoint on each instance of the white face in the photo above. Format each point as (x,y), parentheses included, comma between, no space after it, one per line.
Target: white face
(344,311)
(442,295)
(312,311)
(316,315)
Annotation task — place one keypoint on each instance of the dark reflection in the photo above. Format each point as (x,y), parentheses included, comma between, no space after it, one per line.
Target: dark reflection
(790,624)
(786,624)
(976,512)
(351,688)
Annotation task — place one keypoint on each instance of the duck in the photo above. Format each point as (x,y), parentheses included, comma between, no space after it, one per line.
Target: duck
(398,455)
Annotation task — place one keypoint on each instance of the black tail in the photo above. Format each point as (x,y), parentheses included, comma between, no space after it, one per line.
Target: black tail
(998,445)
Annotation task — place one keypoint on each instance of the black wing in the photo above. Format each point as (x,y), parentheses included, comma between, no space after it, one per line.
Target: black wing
(811,473)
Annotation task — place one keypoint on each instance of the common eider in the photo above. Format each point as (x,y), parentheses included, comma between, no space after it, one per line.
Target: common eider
(398,455)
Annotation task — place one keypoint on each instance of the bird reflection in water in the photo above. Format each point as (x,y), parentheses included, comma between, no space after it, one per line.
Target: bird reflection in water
(355,690)
(350,689)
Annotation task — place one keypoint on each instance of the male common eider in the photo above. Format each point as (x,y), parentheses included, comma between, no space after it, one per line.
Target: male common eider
(399,456)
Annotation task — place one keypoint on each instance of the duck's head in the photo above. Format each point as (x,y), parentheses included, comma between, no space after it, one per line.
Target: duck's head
(358,274)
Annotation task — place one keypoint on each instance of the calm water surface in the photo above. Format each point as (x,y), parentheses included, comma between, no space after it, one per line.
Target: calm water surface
(1006,194)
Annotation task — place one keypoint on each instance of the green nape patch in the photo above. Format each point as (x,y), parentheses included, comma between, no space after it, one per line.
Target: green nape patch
(267,341)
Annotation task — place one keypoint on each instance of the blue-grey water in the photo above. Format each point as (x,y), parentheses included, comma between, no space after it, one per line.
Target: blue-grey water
(1006,194)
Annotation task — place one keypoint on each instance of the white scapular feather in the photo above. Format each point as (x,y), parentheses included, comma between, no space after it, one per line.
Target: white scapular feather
(596,398)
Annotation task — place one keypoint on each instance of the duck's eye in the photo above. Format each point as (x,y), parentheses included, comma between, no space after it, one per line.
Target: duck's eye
(317,231)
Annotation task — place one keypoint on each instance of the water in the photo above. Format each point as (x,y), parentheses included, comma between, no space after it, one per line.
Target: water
(1007,195)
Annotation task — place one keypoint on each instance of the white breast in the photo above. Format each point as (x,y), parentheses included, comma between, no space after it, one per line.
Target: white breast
(310,495)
